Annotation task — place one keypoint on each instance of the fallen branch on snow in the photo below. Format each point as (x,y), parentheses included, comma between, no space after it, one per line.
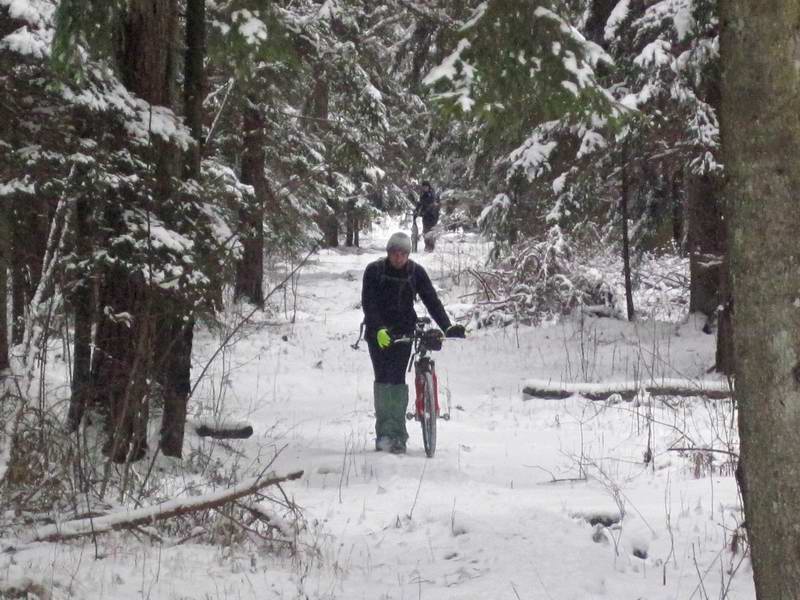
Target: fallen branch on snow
(550,390)
(224,431)
(147,515)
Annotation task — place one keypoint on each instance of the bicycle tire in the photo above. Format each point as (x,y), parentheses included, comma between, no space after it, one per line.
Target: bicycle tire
(428,417)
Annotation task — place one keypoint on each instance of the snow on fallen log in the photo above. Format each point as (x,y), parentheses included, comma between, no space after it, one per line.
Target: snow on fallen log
(557,390)
(60,532)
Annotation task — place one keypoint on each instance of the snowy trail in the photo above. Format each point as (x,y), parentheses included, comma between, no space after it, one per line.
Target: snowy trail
(508,507)
(482,519)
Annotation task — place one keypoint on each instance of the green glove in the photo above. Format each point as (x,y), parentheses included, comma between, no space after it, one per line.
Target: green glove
(384,339)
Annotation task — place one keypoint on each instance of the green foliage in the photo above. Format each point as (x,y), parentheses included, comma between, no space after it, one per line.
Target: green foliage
(542,70)
(85,27)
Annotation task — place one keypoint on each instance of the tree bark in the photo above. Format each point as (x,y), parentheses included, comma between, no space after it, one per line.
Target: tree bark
(725,361)
(17,277)
(678,209)
(82,301)
(29,228)
(626,242)
(4,264)
(250,269)
(760,135)
(123,362)
(176,327)
(706,248)
(175,375)
(195,82)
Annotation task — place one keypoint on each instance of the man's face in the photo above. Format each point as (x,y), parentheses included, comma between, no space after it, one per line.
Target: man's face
(398,258)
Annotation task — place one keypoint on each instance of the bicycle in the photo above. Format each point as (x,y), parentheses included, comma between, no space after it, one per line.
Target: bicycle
(426,404)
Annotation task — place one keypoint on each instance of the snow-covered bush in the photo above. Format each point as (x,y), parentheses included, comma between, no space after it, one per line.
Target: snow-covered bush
(541,280)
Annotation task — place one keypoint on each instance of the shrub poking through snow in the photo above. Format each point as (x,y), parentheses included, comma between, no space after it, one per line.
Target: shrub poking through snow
(542,280)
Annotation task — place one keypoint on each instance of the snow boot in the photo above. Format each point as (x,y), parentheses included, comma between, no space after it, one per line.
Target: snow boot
(391,401)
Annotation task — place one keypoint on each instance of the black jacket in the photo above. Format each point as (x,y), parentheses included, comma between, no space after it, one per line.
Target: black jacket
(387,297)
(428,208)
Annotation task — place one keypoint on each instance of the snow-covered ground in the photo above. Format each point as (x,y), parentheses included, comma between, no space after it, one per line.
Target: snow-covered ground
(525,498)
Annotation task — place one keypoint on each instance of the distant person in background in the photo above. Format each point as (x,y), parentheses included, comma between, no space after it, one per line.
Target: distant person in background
(428,209)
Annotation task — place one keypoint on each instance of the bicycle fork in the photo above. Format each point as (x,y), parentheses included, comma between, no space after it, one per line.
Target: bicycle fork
(424,366)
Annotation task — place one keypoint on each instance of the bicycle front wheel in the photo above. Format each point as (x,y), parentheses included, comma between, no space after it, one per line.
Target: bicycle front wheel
(429,414)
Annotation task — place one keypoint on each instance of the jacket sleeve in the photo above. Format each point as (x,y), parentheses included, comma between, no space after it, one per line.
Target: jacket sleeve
(430,299)
(369,299)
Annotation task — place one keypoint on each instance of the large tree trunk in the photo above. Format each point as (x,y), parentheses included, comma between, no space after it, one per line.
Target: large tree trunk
(176,328)
(122,362)
(195,81)
(250,270)
(706,247)
(82,300)
(761,150)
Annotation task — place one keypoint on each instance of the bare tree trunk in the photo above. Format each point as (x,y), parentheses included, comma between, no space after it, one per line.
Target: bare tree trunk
(678,208)
(250,270)
(626,243)
(175,368)
(5,235)
(122,362)
(705,242)
(195,81)
(176,328)
(30,224)
(19,288)
(760,134)
(351,226)
(82,300)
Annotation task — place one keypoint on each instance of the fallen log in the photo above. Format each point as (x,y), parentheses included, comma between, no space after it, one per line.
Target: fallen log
(627,390)
(61,532)
(224,431)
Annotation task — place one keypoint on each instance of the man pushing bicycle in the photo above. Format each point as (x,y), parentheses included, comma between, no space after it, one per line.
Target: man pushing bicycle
(387,297)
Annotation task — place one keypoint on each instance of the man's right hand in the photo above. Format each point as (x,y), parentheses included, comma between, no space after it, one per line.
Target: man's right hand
(384,339)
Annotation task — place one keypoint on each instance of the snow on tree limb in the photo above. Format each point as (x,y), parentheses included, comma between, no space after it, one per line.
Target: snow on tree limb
(61,532)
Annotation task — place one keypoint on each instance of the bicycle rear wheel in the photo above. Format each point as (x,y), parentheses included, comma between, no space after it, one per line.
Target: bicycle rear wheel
(428,417)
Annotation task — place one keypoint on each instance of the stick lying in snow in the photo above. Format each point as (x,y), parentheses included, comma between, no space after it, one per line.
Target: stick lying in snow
(144,516)
(550,390)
